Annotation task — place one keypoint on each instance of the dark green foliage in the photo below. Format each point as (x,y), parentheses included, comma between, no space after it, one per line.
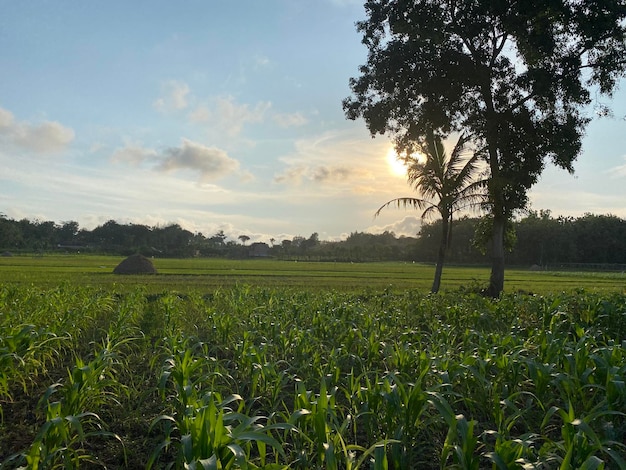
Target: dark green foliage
(283,377)
(537,239)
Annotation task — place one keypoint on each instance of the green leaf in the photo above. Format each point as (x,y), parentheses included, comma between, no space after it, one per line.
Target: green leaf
(296,415)
(209,464)
(240,455)
(259,436)
(592,463)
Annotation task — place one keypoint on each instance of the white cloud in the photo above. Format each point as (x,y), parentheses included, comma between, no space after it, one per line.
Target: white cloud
(174,96)
(6,120)
(318,174)
(229,116)
(133,154)
(200,114)
(290,120)
(210,163)
(408,226)
(46,137)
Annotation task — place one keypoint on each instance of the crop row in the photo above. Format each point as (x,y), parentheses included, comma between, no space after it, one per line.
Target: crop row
(276,378)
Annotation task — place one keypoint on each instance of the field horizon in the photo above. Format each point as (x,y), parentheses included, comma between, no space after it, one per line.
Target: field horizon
(212,273)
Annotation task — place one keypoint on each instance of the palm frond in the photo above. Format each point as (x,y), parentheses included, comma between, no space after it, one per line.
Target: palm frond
(408,202)
(448,180)
(456,163)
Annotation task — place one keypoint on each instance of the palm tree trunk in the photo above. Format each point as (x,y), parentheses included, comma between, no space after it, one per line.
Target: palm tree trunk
(441,255)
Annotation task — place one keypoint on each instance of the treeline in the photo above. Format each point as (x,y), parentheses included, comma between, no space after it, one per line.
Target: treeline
(536,239)
(25,236)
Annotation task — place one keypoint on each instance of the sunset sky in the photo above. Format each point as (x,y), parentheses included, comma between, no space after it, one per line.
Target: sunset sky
(219,115)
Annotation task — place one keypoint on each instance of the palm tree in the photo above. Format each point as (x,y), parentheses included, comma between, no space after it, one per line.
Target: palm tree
(446,184)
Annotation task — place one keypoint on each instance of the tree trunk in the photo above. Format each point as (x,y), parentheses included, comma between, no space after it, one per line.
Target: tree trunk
(496,195)
(496,281)
(441,255)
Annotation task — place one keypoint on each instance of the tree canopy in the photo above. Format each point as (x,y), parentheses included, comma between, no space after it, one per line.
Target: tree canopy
(516,76)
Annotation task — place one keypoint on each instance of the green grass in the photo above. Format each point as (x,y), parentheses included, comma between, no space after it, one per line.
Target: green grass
(208,274)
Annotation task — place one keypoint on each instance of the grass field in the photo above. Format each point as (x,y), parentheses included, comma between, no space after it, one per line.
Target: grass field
(207,274)
(216,364)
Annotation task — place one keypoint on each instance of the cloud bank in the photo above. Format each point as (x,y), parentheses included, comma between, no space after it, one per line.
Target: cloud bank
(43,138)
(210,163)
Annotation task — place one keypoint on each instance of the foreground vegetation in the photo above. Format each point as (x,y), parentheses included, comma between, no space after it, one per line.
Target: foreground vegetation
(263,377)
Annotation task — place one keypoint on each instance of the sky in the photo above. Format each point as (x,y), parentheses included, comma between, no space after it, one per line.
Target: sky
(220,115)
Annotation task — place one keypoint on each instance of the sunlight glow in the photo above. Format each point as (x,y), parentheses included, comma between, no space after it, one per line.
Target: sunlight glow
(396,166)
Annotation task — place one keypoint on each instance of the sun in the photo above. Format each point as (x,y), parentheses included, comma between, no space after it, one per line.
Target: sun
(396,166)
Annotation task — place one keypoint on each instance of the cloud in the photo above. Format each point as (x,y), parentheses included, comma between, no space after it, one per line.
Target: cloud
(617,171)
(229,116)
(6,120)
(290,120)
(315,160)
(174,96)
(46,137)
(319,174)
(408,226)
(210,163)
(134,155)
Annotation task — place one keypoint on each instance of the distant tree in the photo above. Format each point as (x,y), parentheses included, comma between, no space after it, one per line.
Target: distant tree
(297,241)
(517,76)
(38,235)
(600,239)
(173,240)
(141,238)
(446,185)
(10,233)
(110,237)
(218,240)
(244,239)
(310,242)
(68,231)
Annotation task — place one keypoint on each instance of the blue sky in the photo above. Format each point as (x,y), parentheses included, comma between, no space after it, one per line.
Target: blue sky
(218,115)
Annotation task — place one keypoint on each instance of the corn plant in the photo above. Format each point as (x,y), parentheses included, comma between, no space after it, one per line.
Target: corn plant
(204,431)
(324,437)
(25,350)
(69,423)
(581,446)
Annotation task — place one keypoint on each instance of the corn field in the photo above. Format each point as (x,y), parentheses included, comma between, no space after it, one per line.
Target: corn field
(287,378)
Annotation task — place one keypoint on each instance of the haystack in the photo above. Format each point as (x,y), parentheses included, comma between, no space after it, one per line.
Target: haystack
(135,264)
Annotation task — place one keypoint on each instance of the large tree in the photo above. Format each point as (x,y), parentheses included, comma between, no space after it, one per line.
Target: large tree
(516,75)
(445,184)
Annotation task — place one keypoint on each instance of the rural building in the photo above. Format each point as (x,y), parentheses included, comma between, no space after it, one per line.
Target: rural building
(259,250)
